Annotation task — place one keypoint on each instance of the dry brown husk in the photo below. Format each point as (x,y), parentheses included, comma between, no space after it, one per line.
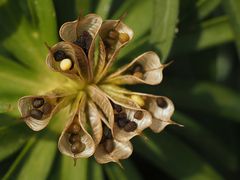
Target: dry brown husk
(63,143)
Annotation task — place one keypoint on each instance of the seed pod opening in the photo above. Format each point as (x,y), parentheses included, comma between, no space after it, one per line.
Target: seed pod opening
(75,140)
(74,65)
(146,69)
(37,111)
(117,151)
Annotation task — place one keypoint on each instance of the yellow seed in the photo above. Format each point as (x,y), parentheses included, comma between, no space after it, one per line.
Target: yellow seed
(65,64)
(123,37)
(138,100)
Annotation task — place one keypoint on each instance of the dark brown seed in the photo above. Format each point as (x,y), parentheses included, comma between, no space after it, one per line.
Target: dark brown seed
(118,108)
(137,68)
(122,115)
(109,145)
(36,114)
(59,55)
(84,41)
(113,34)
(47,108)
(37,102)
(74,138)
(107,133)
(77,147)
(161,102)
(138,115)
(74,128)
(131,126)
(122,122)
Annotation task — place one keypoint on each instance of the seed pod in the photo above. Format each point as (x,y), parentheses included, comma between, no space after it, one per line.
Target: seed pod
(38,119)
(37,102)
(108,145)
(36,114)
(74,66)
(151,73)
(122,150)
(130,126)
(95,122)
(87,147)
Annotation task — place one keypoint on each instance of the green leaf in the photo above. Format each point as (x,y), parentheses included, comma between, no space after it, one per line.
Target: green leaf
(205,7)
(45,19)
(115,172)
(103,8)
(12,137)
(173,156)
(94,170)
(205,36)
(39,161)
(206,142)
(205,97)
(165,16)
(232,8)
(69,171)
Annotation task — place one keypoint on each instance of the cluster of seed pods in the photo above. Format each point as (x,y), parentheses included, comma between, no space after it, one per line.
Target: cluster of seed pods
(103,116)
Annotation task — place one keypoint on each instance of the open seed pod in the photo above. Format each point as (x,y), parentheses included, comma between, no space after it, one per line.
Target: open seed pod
(95,122)
(112,151)
(82,31)
(146,69)
(160,107)
(37,111)
(115,35)
(103,105)
(76,60)
(75,140)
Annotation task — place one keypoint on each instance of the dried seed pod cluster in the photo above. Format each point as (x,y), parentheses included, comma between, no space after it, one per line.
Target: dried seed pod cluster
(103,116)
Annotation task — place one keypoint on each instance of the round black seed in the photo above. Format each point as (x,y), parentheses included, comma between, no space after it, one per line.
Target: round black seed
(122,122)
(84,41)
(59,55)
(47,108)
(131,126)
(161,102)
(75,128)
(77,147)
(74,138)
(36,114)
(138,115)
(109,145)
(37,102)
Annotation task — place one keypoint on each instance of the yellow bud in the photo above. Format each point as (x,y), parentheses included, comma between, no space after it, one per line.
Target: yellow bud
(65,64)
(138,99)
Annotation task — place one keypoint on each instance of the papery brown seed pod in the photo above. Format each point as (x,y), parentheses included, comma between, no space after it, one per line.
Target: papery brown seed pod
(38,118)
(122,150)
(78,69)
(95,122)
(151,71)
(85,147)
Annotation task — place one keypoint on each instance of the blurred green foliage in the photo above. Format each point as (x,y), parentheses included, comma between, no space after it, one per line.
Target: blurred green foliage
(203,39)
